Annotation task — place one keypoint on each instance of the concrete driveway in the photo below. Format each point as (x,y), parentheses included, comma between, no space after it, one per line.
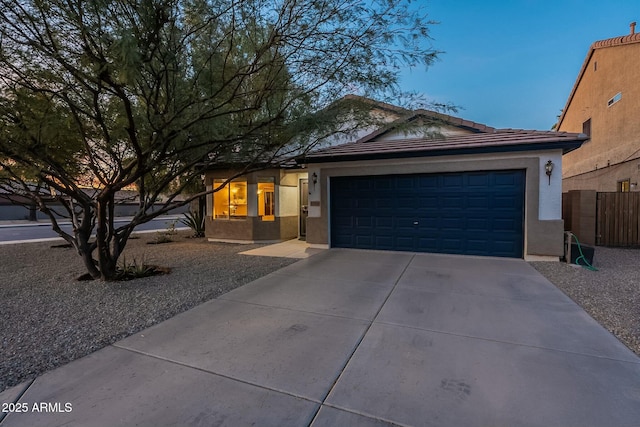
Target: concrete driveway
(358,338)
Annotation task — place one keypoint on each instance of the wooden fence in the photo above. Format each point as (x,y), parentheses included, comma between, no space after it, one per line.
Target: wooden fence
(618,219)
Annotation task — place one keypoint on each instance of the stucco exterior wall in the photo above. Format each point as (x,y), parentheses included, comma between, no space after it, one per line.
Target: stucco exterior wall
(605,179)
(550,197)
(544,227)
(615,129)
(287,198)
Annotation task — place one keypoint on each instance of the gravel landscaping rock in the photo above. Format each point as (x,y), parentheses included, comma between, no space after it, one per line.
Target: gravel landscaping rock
(610,295)
(48,318)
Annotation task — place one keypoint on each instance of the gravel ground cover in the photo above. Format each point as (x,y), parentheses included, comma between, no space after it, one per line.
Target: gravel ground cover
(610,295)
(48,318)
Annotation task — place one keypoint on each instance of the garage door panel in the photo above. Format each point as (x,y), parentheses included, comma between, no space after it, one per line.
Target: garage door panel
(452,202)
(477,213)
(505,202)
(426,202)
(453,224)
(385,202)
(384,222)
(365,241)
(383,183)
(452,181)
(504,179)
(477,224)
(404,243)
(503,248)
(344,241)
(428,181)
(364,222)
(405,223)
(505,225)
(429,243)
(477,245)
(405,202)
(405,182)
(343,221)
(450,245)
(383,242)
(477,180)
(367,203)
(369,185)
(479,201)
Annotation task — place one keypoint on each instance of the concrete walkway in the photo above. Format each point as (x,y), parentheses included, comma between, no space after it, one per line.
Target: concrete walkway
(358,338)
(294,248)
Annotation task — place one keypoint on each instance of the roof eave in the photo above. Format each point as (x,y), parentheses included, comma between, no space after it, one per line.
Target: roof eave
(566,146)
(575,86)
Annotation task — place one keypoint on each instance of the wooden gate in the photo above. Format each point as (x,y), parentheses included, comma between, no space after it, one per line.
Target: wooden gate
(618,219)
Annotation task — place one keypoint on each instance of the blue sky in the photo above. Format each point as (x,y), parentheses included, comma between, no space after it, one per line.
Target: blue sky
(512,63)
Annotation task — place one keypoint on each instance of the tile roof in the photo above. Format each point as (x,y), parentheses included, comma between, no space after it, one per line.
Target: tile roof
(617,41)
(498,140)
(432,116)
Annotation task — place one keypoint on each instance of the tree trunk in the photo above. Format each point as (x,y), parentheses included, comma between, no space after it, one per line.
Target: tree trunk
(89,263)
(107,263)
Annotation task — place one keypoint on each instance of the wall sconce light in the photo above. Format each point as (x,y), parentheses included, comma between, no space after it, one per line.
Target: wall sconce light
(549,169)
(314,179)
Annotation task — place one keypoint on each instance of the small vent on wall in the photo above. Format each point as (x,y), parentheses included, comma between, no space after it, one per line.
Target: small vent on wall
(615,99)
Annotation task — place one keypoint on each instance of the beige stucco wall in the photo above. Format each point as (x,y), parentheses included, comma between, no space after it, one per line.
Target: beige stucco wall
(544,227)
(615,129)
(605,179)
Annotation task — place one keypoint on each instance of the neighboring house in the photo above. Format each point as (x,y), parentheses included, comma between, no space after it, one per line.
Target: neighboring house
(427,182)
(605,104)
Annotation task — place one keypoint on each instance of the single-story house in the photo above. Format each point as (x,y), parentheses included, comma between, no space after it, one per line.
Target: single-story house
(451,187)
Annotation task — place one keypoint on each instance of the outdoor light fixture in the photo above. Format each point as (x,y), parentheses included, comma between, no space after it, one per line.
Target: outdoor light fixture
(549,169)
(314,179)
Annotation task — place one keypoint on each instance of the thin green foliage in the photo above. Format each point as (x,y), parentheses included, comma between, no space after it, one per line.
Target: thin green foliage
(134,270)
(195,221)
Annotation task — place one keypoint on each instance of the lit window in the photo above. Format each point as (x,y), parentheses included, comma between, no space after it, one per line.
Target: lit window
(230,201)
(266,199)
(624,186)
(617,97)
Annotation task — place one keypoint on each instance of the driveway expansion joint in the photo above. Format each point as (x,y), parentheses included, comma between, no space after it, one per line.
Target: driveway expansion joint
(366,415)
(636,362)
(364,334)
(186,365)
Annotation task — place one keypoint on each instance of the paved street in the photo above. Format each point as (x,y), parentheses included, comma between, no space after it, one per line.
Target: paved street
(17,232)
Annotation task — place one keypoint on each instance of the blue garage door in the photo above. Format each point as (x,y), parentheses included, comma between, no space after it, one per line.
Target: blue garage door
(473,213)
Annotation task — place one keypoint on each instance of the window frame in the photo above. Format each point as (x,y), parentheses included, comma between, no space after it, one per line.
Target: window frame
(226,193)
(614,99)
(264,212)
(624,185)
